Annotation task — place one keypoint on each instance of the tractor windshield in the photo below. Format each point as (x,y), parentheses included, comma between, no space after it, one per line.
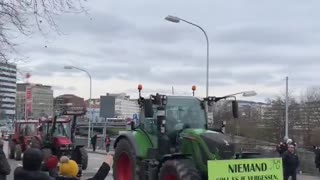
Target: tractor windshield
(183,112)
(61,130)
(28,129)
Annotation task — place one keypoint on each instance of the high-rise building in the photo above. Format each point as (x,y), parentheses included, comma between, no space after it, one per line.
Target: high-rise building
(34,101)
(8,80)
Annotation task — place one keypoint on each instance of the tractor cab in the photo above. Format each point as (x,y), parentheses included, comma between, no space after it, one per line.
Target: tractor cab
(24,131)
(56,134)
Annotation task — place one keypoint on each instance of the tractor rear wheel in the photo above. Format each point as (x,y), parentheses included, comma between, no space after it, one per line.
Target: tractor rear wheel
(179,169)
(125,163)
(46,153)
(17,152)
(12,147)
(84,158)
(80,155)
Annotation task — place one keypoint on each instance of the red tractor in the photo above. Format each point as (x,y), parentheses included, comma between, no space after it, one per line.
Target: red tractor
(24,132)
(57,137)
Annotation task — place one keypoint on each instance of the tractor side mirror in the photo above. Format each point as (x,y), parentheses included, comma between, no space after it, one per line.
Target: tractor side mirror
(148,109)
(235,109)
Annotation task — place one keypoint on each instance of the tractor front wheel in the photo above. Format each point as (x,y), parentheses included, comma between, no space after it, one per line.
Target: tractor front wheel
(46,153)
(17,152)
(125,163)
(35,143)
(179,169)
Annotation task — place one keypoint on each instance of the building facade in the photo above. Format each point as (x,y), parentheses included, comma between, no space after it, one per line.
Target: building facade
(121,104)
(8,80)
(34,101)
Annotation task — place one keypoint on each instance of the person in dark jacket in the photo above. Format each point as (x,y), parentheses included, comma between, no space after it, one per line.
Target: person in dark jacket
(31,163)
(107,143)
(290,163)
(317,156)
(68,169)
(94,142)
(4,165)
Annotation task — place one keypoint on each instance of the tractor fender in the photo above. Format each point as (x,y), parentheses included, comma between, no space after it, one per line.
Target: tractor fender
(129,137)
(78,146)
(174,156)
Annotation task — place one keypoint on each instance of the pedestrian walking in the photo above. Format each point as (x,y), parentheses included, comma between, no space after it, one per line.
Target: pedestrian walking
(290,163)
(4,165)
(94,142)
(31,166)
(69,170)
(317,156)
(107,143)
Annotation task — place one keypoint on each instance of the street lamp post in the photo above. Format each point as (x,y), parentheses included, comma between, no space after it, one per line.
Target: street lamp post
(175,19)
(287,106)
(89,123)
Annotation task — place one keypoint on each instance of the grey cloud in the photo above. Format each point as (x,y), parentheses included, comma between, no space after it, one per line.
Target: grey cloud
(160,74)
(268,35)
(164,34)
(96,23)
(121,44)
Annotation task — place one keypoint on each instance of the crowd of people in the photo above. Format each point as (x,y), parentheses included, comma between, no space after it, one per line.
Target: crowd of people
(36,167)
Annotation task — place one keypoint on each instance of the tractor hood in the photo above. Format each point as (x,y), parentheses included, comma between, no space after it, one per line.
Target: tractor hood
(212,142)
(219,144)
(62,141)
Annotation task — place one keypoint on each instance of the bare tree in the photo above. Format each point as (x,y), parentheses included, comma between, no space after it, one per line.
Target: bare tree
(310,119)
(23,16)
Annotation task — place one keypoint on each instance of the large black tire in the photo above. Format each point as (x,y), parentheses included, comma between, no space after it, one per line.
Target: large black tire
(179,169)
(80,155)
(35,143)
(17,152)
(125,163)
(46,152)
(84,158)
(11,151)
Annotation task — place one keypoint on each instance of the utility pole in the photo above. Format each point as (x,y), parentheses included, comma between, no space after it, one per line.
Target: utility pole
(172,91)
(287,105)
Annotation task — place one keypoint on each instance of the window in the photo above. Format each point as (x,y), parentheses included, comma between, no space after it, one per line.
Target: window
(28,129)
(185,113)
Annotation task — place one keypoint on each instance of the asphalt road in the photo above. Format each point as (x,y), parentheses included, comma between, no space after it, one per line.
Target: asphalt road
(95,160)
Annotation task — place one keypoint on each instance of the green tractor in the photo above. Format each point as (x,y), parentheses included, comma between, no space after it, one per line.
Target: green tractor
(171,140)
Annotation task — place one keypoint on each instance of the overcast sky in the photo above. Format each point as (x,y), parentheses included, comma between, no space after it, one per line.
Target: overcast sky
(253,46)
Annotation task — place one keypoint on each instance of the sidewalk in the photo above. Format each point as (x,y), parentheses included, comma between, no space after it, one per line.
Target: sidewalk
(99,151)
(307,177)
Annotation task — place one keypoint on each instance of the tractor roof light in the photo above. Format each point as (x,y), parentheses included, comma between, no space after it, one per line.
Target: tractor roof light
(139,87)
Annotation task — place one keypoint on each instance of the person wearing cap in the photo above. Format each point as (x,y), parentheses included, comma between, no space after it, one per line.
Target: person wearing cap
(31,166)
(290,162)
(50,165)
(4,165)
(69,170)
